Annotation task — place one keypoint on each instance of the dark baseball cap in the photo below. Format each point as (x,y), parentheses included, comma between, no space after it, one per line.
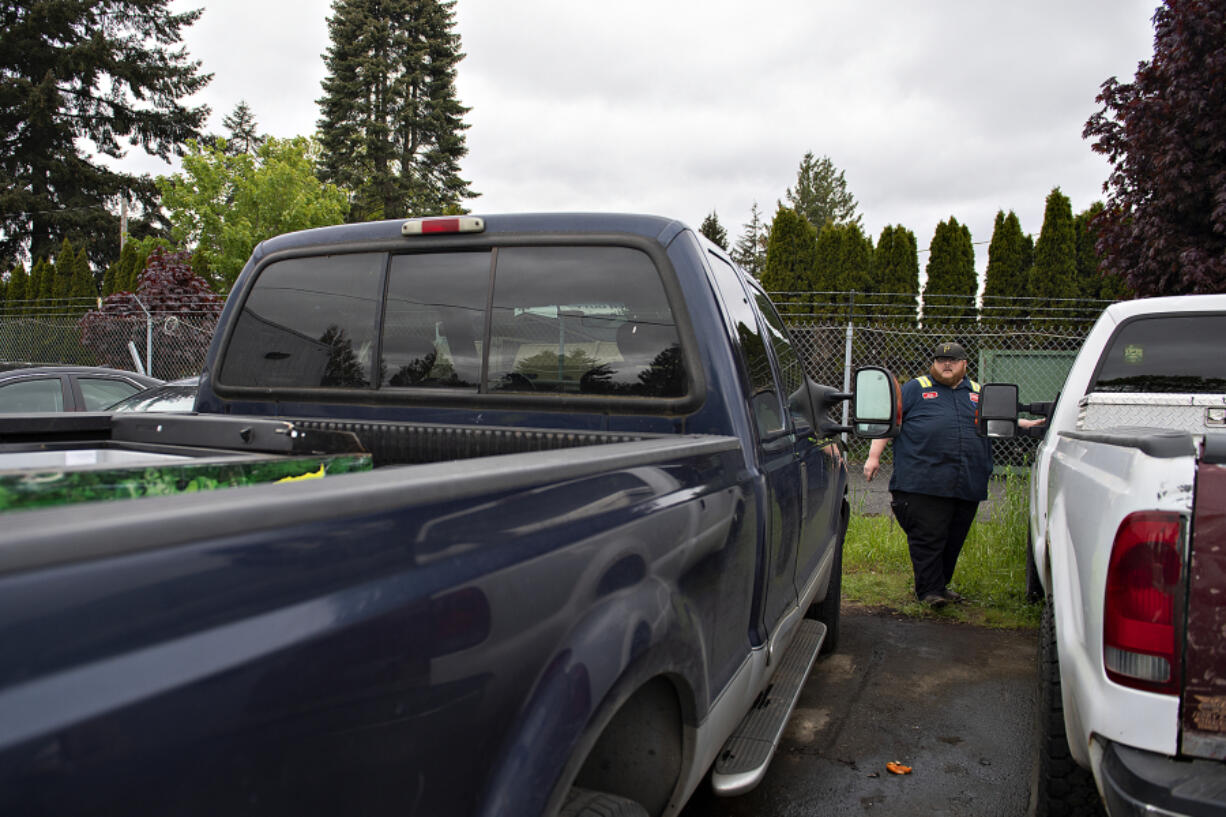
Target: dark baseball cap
(953,350)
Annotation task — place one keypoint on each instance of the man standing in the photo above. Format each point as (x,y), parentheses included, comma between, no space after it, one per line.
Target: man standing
(941,470)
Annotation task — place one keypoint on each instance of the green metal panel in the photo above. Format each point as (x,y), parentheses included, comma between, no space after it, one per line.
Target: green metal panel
(1038,373)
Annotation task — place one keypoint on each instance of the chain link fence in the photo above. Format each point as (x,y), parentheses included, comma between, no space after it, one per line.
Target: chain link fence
(1027,341)
(165,344)
(1024,341)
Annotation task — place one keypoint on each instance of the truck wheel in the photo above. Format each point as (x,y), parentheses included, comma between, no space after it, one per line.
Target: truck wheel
(827,610)
(585,803)
(1065,789)
(1034,589)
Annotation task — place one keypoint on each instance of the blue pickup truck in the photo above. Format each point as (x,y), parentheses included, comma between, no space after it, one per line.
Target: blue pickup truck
(593,559)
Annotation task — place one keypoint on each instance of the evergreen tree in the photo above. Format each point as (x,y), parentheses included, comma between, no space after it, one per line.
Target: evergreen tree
(791,256)
(844,259)
(896,274)
(65,269)
(1005,280)
(121,275)
(99,72)
(16,294)
(750,249)
(1164,227)
(821,193)
(949,292)
(715,231)
(41,288)
(392,128)
(1053,278)
(1093,282)
(82,287)
(241,125)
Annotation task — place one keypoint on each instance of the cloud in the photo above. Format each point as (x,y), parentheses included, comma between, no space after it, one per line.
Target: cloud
(935,109)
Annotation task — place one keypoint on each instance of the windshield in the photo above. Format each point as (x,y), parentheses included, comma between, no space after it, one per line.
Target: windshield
(1171,353)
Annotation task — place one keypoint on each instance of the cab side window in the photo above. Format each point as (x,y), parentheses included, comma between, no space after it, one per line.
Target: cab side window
(791,370)
(764,399)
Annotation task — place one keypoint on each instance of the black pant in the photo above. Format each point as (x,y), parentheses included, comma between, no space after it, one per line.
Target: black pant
(936,527)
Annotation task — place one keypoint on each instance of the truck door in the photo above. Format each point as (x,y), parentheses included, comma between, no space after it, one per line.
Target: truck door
(822,470)
(779,469)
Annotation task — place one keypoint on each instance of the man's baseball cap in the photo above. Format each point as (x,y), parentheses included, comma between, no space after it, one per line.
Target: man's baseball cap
(953,350)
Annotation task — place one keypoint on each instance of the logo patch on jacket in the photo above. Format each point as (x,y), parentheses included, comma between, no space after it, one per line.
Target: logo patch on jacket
(974,397)
(930,395)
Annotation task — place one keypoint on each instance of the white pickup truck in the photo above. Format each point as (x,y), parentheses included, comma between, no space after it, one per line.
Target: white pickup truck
(1128,550)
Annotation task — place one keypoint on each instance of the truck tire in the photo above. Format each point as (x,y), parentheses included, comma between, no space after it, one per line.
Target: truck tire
(827,610)
(1064,788)
(1034,589)
(585,803)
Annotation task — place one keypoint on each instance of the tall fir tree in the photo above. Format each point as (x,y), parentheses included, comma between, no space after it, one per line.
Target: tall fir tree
(951,286)
(821,193)
(77,78)
(392,128)
(1053,278)
(715,231)
(241,130)
(1008,270)
(791,256)
(896,274)
(750,249)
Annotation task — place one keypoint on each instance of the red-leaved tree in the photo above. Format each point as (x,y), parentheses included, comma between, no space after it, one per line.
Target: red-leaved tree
(1164,227)
(178,303)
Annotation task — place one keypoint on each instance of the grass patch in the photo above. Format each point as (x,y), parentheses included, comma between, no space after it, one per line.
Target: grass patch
(991,571)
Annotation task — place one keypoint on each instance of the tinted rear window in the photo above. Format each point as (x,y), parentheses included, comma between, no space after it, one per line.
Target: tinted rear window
(1166,354)
(308,322)
(583,320)
(577,320)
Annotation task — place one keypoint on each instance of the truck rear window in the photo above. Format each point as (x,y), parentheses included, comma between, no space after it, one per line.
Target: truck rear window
(589,320)
(1172,353)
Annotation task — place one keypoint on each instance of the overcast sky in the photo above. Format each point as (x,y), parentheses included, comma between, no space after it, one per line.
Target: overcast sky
(680,107)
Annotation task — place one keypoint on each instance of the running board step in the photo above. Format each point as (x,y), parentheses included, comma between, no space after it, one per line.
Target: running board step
(742,762)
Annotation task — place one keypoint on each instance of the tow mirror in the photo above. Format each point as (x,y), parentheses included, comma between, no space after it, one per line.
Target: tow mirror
(875,404)
(813,402)
(876,410)
(997,414)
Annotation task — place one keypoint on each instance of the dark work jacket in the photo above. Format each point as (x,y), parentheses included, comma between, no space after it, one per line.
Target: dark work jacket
(937,451)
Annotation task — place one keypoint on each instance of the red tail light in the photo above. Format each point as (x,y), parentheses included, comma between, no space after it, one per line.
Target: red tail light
(1143,613)
(443,224)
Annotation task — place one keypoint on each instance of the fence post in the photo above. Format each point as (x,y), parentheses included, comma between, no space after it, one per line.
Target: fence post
(148,337)
(851,311)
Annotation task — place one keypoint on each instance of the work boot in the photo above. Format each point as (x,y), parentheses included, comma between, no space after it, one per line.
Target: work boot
(934,600)
(953,596)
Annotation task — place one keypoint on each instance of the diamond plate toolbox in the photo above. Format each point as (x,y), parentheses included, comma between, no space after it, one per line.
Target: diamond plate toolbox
(1194,413)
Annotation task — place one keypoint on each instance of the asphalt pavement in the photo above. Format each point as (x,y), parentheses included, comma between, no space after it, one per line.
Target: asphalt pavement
(954,702)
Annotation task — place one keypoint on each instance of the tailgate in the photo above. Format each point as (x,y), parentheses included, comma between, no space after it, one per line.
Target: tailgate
(1203,718)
